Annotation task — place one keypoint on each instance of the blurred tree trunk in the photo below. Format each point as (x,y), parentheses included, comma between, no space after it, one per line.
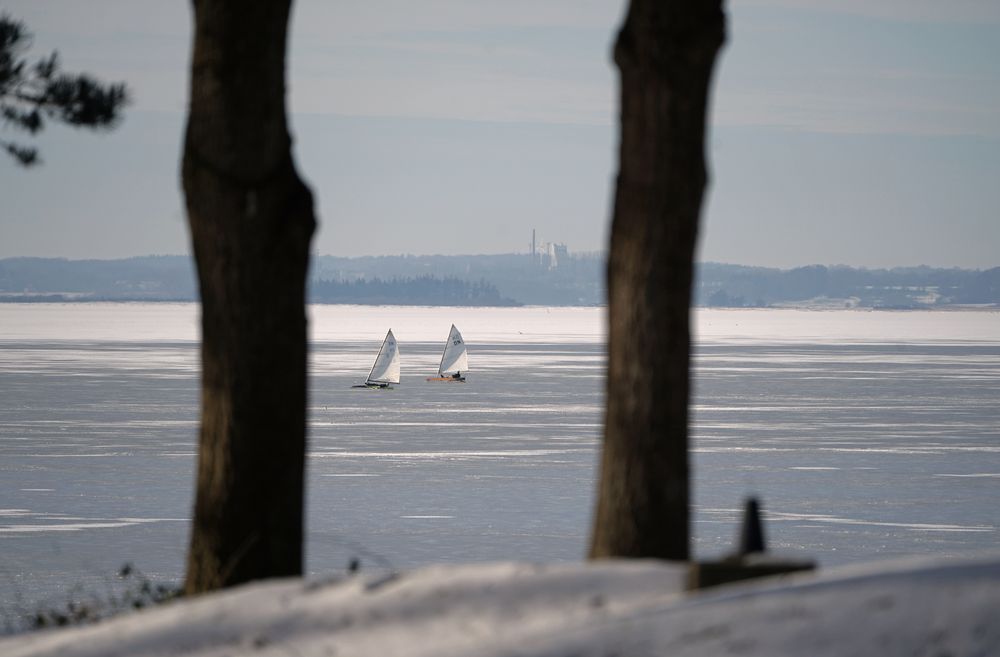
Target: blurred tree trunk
(251,220)
(665,51)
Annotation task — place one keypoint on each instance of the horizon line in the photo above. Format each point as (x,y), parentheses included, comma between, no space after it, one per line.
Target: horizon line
(601,253)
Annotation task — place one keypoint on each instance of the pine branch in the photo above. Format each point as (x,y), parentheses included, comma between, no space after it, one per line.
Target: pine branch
(24,155)
(28,93)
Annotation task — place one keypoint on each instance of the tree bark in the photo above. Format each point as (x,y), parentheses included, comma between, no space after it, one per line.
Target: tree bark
(251,220)
(666,52)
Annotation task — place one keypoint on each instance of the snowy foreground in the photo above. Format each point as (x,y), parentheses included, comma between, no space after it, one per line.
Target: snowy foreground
(611,608)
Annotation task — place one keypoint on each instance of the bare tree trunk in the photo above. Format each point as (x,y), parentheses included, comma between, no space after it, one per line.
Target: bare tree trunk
(666,52)
(251,220)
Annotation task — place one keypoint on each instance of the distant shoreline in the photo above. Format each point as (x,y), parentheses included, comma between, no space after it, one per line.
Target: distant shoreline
(56,299)
(572,280)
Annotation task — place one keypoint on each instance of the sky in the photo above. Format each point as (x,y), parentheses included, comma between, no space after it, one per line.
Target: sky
(842,131)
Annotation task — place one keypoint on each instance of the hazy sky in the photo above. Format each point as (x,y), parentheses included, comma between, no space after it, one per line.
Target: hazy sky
(843,131)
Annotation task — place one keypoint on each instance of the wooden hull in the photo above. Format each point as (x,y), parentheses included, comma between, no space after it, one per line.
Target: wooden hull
(447,379)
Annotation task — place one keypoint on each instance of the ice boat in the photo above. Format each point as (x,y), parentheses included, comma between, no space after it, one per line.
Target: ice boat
(454,359)
(385,370)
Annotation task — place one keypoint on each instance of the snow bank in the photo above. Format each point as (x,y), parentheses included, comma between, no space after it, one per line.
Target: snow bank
(629,608)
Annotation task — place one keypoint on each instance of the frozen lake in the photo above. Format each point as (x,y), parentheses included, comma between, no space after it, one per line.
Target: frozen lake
(867,435)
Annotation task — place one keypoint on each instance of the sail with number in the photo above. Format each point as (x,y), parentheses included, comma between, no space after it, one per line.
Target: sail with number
(455,359)
(386,367)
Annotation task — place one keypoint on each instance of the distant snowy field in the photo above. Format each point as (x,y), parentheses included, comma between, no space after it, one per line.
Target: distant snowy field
(867,434)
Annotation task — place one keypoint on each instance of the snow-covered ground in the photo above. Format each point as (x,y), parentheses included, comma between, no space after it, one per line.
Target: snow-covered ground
(625,608)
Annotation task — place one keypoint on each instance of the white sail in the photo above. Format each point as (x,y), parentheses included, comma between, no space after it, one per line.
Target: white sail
(386,367)
(455,357)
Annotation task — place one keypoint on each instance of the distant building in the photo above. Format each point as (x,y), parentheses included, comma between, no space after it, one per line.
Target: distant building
(555,254)
(548,254)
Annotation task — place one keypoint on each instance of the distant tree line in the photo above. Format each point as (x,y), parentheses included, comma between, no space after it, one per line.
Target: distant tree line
(146,278)
(575,282)
(737,286)
(409,291)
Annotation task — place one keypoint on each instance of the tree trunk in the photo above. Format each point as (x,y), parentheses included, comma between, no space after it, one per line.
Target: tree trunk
(666,52)
(251,220)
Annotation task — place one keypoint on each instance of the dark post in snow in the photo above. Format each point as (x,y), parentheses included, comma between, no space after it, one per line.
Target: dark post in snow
(751,559)
(752,533)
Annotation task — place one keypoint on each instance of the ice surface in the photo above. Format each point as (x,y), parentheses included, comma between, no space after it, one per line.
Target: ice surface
(887,421)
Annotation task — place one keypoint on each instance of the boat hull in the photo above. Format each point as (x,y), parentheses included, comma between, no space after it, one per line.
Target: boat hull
(450,379)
